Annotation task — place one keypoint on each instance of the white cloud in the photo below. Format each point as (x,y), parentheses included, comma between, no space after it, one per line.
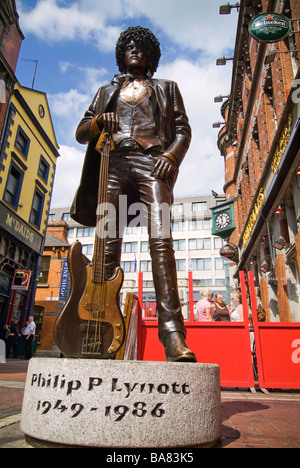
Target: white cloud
(84,20)
(67,178)
(193,24)
(203,168)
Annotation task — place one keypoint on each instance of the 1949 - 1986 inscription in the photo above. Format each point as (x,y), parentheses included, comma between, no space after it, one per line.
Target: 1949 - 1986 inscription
(95,385)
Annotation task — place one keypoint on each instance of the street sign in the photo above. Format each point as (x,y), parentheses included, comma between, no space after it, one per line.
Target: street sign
(270,27)
(21,280)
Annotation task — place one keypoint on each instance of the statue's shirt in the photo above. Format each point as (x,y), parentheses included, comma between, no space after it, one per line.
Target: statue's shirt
(136,119)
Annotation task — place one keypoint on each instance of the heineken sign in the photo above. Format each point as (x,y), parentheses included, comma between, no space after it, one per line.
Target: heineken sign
(270,27)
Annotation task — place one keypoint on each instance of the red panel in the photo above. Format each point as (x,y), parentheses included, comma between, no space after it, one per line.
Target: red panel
(224,344)
(277,350)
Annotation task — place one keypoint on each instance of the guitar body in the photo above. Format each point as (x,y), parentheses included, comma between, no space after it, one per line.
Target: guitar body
(91,324)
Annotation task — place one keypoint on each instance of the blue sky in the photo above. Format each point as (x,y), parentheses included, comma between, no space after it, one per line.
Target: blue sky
(74,44)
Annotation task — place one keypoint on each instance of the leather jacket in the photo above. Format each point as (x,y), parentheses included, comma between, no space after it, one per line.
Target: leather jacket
(172,126)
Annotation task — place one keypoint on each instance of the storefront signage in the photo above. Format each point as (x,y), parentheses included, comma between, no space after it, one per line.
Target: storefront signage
(270,27)
(18,228)
(253,217)
(64,281)
(282,145)
(229,251)
(21,280)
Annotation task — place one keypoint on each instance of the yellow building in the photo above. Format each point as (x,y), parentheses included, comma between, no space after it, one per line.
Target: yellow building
(28,154)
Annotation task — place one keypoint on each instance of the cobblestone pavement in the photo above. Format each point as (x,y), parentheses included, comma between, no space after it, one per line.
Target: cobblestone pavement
(249,420)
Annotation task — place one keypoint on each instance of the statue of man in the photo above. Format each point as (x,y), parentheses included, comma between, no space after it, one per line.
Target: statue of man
(147,121)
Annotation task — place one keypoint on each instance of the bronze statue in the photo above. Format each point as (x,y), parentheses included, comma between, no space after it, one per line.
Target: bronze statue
(147,122)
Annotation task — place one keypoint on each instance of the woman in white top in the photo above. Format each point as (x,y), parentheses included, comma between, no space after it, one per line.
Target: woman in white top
(237,314)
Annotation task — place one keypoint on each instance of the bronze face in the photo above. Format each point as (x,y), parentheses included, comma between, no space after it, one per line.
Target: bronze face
(135,58)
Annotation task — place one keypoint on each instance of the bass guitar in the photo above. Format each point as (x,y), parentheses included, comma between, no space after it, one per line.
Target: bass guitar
(91,324)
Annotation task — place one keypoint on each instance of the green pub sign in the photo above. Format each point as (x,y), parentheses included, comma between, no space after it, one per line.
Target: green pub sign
(270,27)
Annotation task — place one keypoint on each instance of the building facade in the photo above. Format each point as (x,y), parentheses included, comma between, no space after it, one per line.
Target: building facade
(261,149)
(196,251)
(53,282)
(28,155)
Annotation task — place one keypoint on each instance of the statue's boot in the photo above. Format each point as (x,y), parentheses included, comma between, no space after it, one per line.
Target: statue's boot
(176,349)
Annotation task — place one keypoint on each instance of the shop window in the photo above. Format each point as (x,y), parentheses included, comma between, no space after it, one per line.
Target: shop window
(13,186)
(37,209)
(22,142)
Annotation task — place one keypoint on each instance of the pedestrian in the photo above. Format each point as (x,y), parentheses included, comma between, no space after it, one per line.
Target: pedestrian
(12,341)
(29,333)
(221,310)
(204,307)
(237,314)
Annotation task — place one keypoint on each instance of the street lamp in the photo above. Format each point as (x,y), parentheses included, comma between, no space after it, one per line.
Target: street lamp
(265,268)
(279,244)
(222,61)
(226,9)
(270,57)
(218,124)
(221,98)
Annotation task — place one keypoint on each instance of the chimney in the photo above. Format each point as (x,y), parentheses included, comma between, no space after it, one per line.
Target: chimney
(58,229)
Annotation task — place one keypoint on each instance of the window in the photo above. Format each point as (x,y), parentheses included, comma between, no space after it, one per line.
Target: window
(51,217)
(199,264)
(200,244)
(145,246)
(71,233)
(13,186)
(199,206)
(146,266)
(37,209)
(82,232)
(180,265)
(66,217)
(43,171)
(200,225)
(219,264)
(22,142)
(128,267)
(178,226)
(218,241)
(179,245)
(44,271)
(130,247)
(88,249)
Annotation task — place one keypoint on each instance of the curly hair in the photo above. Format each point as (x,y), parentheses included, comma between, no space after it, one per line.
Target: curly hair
(144,38)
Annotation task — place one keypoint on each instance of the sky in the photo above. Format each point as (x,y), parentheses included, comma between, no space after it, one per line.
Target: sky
(74,43)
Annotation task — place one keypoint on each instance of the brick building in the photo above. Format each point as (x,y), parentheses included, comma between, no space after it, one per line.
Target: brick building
(52,287)
(11,38)
(260,146)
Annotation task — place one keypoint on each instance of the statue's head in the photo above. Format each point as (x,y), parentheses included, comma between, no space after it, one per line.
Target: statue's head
(146,40)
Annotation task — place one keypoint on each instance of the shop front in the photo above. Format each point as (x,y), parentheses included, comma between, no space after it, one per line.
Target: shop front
(270,242)
(19,261)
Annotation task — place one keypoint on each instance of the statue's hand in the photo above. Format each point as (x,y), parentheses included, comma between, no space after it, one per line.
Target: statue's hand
(164,166)
(109,122)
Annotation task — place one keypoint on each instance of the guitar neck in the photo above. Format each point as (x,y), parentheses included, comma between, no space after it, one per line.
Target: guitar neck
(98,275)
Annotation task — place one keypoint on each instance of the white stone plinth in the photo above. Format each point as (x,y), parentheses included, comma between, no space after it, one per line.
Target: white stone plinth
(128,404)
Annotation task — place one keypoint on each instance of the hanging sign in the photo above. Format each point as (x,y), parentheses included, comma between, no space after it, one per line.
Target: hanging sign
(229,251)
(21,280)
(270,27)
